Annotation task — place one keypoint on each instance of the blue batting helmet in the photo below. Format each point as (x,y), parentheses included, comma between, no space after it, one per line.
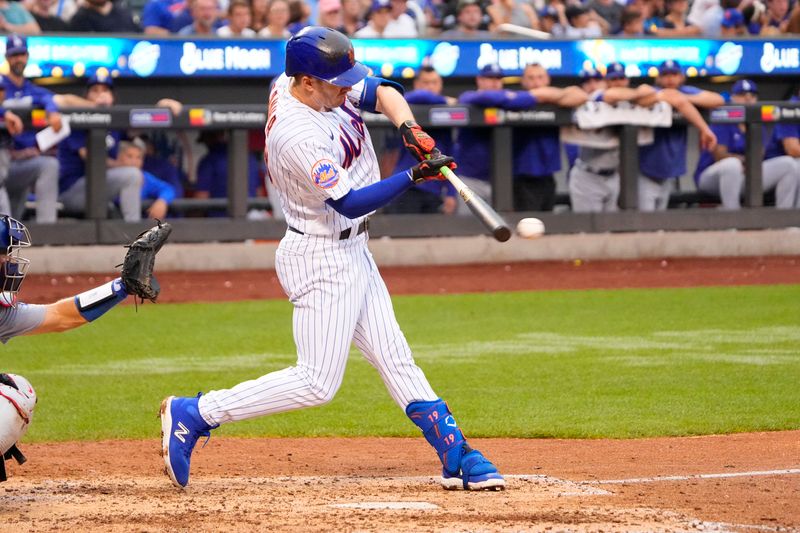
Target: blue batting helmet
(13,236)
(325,54)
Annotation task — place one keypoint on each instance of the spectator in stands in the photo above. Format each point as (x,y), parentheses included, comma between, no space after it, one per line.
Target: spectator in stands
(41,11)
(205,18)
(707,15)
(721,171)
(402,25)
(162,17)
(664,161)
(514,12)
(278,13)
(259,14)
(212,171)
(103,16)
(131,155)
(777,16)
(431,196)
(732,24)
(580,23)
(632,23)
(469,17)
(674,23)
(299,15)
(794,20)
(29,167)
(610,11)
(124,182)
(548,21)
(16,19)
(379,17)
(330,13)
(352,17)
(239,17)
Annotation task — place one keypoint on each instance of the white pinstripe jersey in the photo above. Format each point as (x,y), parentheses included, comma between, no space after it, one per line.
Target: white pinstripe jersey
(313,156)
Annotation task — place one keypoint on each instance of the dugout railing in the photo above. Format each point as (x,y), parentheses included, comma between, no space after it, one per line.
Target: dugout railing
(97,228)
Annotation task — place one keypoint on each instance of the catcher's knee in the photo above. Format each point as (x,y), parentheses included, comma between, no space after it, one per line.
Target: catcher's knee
(17,401)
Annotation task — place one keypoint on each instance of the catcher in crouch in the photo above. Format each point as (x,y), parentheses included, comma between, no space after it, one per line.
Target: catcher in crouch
(17,397)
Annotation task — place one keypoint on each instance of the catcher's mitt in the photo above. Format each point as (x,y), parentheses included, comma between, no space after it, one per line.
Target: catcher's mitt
(137,268)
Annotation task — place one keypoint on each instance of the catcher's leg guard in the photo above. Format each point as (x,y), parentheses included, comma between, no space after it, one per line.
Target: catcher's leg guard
(462,467)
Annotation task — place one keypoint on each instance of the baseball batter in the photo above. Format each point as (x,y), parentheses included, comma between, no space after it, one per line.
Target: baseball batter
(321,161)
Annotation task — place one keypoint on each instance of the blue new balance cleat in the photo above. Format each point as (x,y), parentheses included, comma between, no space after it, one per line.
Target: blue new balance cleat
(476,473)
(181,426)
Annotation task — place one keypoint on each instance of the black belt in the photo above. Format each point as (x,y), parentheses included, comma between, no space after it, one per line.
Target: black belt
(605,172)
(345,233)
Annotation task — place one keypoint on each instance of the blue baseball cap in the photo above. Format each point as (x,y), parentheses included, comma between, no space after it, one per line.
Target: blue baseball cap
(16,44)
(380,4)
(744,87)
(548,11)
(100,79)
(670,66)
(492,70)
(615,71)
(732,18)
(590,74)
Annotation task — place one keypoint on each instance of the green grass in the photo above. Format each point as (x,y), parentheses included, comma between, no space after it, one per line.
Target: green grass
(601,363)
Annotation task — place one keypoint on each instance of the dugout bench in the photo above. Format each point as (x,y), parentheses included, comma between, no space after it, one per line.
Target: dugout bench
(96,228)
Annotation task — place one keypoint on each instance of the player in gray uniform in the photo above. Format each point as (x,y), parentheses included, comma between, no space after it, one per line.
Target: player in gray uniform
(594,181)
(323,164)
(17,318)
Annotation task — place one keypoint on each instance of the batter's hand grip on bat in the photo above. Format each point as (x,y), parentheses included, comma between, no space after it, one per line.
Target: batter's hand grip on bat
(488,216)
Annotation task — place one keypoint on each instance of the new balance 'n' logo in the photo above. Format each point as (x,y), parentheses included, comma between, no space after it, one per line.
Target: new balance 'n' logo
(181,432)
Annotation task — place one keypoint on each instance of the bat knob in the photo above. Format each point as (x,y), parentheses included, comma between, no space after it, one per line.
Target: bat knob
(502,233)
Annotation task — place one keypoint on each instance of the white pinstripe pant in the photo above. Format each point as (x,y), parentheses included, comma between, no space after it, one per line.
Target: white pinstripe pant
(339,297)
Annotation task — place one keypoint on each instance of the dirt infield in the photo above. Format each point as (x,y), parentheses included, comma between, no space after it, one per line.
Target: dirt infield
(745,482)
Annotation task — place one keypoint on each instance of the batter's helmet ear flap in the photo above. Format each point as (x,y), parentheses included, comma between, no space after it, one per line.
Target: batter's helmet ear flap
(326,54)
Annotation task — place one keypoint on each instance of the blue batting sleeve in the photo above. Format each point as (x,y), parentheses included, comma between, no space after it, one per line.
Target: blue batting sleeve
(359,202)
(154,188)
(94,303)
(369,97)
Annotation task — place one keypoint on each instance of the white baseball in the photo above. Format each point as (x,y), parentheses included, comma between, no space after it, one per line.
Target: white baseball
(530,228)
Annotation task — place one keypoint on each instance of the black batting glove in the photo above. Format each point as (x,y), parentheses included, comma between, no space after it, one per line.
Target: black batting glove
(429,169)
(416,141)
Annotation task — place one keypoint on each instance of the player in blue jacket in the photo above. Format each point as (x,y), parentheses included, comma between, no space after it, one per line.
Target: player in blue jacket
(721,171)
(537,150)
(473,151)
(430,196)
(664,161)
(786,137)
(29,167)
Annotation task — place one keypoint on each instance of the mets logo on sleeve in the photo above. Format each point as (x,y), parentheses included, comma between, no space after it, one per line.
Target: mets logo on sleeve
(325,174)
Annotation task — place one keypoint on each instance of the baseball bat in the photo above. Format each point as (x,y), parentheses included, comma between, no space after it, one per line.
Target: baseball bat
(488,216)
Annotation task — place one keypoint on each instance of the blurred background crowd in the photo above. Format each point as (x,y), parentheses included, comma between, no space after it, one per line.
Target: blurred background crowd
(406,18)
